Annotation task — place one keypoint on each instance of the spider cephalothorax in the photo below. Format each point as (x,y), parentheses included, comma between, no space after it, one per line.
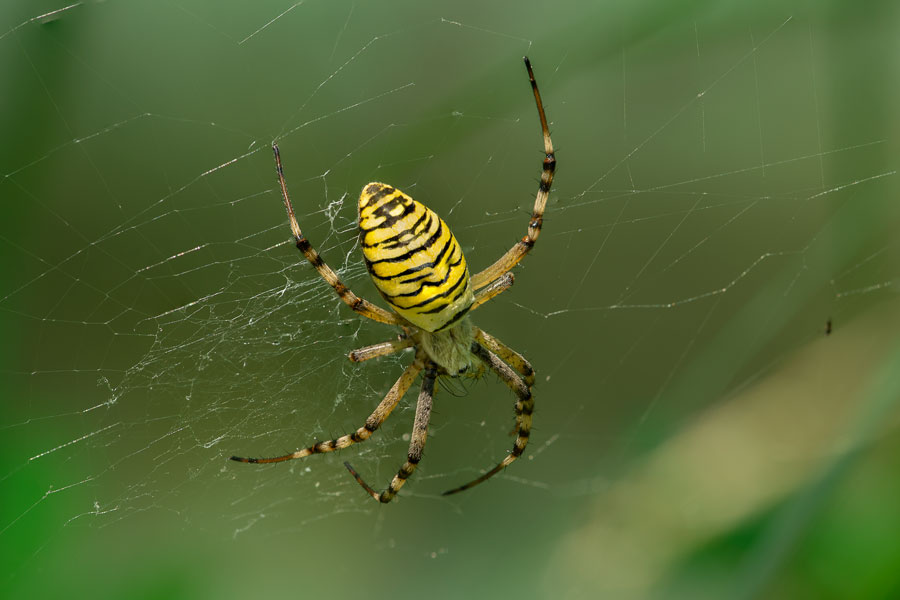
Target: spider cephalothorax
(419,269)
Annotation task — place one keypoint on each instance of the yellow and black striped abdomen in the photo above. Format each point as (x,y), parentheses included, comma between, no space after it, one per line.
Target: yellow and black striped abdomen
(415,261)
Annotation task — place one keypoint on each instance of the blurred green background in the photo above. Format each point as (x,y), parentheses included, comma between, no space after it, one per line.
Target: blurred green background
(726,196)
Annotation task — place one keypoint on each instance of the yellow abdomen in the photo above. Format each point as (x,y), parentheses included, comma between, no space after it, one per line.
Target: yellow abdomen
(413,258)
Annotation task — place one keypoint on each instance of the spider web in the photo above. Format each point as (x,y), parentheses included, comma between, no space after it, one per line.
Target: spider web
(717,279)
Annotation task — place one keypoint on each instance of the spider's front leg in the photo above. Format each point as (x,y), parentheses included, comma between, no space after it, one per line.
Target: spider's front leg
(416,445)
(378,416)
(524,408)
(510,356)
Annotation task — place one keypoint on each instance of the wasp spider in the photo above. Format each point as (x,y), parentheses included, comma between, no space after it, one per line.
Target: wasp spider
(419,268)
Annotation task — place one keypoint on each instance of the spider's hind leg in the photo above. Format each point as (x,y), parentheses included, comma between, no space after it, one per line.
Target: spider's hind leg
(496,287)
(360,305)
(548,167)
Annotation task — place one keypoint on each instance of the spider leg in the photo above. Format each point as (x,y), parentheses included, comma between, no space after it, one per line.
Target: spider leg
(363,307)
(524,409)
(496,287)
(509,356)
(381,413)
(517,252)
(416,445)
(382,349)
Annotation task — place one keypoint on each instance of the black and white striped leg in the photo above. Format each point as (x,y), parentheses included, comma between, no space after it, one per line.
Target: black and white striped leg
(524,409)
(416,445)
(548,168)
(381,349)
(510,356)
(496,287)
(381,413)
(363,307)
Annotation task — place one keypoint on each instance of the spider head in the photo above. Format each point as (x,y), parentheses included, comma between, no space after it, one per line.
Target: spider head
(451,348)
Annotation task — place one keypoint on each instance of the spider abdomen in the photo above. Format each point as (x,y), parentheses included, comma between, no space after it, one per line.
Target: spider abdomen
(413,258)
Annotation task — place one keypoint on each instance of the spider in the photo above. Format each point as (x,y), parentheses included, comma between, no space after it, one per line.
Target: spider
(419,269)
